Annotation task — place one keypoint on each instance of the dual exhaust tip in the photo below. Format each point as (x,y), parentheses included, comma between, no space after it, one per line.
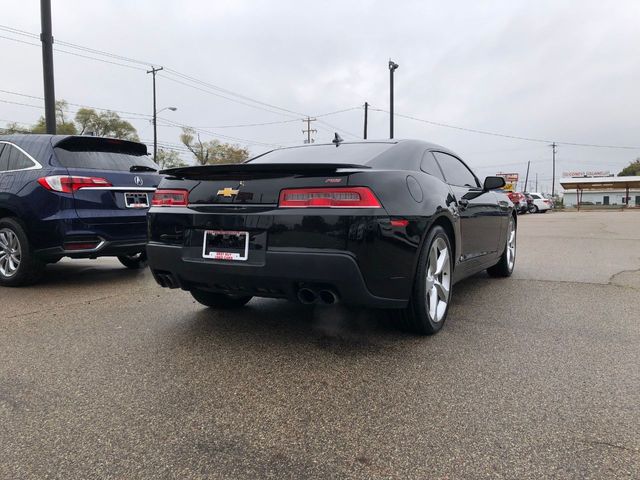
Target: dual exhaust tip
(310,296)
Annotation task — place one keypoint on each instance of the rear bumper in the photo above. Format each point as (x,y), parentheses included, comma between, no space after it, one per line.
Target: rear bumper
(106,248)
(281,275)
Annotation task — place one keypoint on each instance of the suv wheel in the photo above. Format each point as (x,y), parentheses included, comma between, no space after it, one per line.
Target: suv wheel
(136,261)
(18,266)
(429,304)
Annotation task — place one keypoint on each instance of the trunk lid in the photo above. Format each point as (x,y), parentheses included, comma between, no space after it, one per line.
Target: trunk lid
(125,165)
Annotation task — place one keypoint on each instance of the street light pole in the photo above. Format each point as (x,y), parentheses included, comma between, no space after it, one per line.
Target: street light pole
(155,114)
(392,68)
(47,67)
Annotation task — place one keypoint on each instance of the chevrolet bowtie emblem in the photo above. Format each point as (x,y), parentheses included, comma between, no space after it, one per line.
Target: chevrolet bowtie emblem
(227,192)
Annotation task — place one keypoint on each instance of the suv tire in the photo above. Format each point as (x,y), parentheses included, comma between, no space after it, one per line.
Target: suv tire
(18,265)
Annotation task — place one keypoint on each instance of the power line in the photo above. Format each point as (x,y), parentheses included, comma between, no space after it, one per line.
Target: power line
(495,134)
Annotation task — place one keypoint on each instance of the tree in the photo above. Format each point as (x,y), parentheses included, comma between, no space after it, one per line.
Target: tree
(169,159)
(87,120)
(13,127)
(213,151)
(64,126)
(104,124)
(633,169)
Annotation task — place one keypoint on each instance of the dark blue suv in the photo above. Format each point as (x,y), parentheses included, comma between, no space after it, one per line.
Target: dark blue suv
(71,196)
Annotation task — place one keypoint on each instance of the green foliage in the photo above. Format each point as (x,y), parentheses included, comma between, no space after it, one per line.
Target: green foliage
(633,169)
(64,126)
(212,151)
(104,124)
(12,128)
(169,159)
(87,120)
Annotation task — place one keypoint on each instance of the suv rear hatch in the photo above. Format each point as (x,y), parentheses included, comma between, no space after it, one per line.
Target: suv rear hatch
(123,178)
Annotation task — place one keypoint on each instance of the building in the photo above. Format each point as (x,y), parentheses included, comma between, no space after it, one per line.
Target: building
(621,191)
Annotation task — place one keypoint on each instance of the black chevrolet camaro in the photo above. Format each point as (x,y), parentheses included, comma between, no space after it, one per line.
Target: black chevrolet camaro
(385,224)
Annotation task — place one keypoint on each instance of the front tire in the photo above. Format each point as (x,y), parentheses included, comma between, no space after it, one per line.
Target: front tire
(220,300)
(429,303)
(507,262)
(18,265)
(534,209)
(137,261)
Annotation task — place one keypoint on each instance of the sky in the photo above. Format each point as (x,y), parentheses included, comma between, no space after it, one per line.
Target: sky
(563,71)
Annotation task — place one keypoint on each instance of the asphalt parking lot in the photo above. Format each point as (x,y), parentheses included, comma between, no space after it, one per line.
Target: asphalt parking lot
(105,375)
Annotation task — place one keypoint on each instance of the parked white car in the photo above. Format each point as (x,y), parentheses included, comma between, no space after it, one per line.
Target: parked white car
(540,203)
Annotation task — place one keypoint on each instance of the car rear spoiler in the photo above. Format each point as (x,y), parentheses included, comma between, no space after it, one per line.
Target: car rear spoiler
(226,169)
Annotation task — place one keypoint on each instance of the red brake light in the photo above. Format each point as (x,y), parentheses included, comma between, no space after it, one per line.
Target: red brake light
(170,198)
(69,184)
(347,197)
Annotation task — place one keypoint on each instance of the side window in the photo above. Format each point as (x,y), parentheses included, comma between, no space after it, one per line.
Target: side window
(536,197)
(430,166)
(17,160)
(455,171)
(4,157)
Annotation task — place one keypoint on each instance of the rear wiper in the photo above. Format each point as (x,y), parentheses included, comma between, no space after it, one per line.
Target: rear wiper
(142,168)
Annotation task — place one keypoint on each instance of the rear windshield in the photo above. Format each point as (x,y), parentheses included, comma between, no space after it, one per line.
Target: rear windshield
(348,153)
(102,160)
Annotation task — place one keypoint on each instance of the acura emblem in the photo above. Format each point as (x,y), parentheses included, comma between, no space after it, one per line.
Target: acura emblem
(138,181)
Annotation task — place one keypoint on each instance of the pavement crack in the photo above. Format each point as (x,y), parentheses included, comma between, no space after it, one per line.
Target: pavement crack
(611,445)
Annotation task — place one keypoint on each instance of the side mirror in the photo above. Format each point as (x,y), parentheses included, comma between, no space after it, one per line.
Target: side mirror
(493,183)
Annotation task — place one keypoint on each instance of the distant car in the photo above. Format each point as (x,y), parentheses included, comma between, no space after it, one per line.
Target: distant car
(519,201)
(388,224)
(71,196)
(539,203)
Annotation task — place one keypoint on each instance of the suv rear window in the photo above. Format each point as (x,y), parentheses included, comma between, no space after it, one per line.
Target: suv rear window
(102,154)
(347,153)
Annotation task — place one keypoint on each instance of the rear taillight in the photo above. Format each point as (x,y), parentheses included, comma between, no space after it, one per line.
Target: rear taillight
(69,184)
(170,198)
(348,197)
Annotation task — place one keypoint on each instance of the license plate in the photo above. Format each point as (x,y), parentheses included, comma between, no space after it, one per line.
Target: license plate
(225,245)
(136,200)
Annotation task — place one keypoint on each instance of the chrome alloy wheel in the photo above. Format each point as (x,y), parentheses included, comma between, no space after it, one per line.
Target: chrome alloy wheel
(10,253)
(438,284)
(511,244)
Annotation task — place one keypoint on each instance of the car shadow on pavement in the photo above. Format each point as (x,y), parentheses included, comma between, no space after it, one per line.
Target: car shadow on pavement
(87,274)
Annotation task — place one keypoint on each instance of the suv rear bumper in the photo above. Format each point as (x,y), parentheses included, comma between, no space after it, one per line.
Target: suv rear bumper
(281,276)
(104,249)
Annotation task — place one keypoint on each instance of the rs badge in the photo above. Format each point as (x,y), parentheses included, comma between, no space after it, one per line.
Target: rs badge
(227,192)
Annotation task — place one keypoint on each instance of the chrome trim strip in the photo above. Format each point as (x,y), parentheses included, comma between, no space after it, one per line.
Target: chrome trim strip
(121,189)
(36,164)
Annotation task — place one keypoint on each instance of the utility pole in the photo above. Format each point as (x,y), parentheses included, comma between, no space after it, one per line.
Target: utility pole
(553,184)
(526,178)
(46,37)
(366,116)
(536,182)
(309,130)
(155,113)
(392,68)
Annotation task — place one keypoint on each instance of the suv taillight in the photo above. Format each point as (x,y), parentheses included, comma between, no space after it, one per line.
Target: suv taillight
(170,198)
(347,197)
(69,184)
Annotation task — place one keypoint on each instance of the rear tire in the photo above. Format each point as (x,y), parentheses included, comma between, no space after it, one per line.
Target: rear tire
(220,300)
(137,261)
(431,296)
(507,262)
(18,264)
